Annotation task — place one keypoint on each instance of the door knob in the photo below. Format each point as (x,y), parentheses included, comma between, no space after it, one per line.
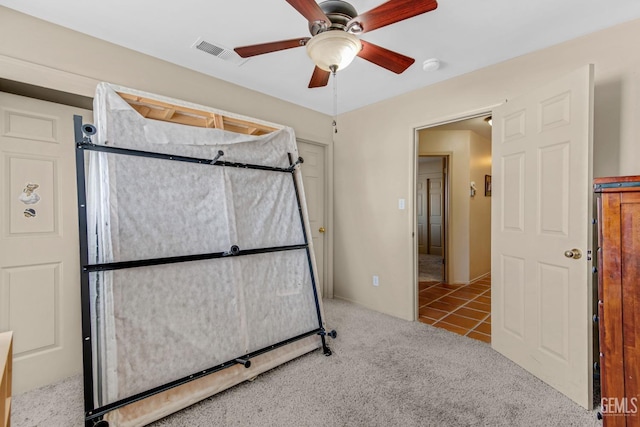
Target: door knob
(573,253)
(322,230)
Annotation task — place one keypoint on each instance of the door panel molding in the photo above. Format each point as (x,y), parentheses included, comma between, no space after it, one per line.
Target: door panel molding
(542,160)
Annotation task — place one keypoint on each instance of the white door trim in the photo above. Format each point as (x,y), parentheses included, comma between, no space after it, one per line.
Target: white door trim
(51,78)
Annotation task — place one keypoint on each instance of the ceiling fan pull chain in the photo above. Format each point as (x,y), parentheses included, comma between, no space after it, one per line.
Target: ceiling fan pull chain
(335,98)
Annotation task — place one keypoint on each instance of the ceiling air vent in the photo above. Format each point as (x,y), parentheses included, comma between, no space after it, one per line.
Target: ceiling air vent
(219,52)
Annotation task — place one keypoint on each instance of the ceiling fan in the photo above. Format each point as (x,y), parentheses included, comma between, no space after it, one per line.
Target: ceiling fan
(334,25)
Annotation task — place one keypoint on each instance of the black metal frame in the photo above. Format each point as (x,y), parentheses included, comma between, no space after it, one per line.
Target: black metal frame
(94,415)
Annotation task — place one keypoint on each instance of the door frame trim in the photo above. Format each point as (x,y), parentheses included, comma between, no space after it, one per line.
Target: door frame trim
(44,76)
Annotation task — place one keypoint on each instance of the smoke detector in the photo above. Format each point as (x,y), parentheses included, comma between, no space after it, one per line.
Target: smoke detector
(431,64)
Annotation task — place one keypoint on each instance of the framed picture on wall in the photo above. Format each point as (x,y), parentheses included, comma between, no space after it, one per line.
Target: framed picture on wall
(487,185)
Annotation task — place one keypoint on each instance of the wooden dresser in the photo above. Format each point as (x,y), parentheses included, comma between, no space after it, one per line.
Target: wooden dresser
(619,298)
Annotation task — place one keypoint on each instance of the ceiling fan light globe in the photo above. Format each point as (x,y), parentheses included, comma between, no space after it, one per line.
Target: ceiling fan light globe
(333,49)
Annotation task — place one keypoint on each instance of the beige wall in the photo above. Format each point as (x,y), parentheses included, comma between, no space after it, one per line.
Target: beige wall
(36,52)
(479,208)
(375,154)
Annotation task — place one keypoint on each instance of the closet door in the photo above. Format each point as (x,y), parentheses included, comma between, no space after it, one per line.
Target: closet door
(39,255)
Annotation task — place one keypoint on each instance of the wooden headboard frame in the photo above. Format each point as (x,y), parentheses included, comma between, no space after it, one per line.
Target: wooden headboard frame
(164,111)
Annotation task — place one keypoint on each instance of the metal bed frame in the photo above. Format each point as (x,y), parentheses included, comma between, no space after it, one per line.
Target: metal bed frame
(94,415)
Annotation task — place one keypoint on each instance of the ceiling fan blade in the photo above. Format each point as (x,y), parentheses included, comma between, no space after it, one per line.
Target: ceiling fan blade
(259,49)
(310,10)
(319,78)
(391,12)
(392,61)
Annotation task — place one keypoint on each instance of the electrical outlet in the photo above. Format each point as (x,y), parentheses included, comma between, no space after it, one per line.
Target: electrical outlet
(375,281)
(401,204)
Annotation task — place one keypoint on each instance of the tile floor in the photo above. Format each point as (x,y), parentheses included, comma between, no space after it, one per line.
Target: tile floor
(463,309)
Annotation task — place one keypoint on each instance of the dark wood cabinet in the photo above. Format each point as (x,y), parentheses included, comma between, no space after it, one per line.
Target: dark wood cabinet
(618,201)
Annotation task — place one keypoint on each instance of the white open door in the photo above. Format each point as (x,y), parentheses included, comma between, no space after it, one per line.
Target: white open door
(541,210)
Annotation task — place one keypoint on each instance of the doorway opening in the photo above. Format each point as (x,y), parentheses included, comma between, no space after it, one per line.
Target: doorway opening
(453,224)
(431,191)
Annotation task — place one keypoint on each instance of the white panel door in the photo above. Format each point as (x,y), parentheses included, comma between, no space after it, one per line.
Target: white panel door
(39,255)
(436,217)
(541,207)
(313,179)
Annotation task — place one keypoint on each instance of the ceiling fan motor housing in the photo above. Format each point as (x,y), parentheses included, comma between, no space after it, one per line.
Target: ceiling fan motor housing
(339,13)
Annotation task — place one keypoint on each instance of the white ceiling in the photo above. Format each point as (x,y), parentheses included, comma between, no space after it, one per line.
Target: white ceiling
(464,34)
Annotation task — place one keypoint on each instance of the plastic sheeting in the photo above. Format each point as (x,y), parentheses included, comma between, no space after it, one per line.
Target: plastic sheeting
(152,325)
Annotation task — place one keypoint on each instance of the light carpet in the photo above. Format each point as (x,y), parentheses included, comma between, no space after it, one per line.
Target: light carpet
(384,371)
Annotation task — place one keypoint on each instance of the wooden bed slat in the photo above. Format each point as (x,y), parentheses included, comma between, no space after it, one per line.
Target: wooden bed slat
(163,111)
(218,121)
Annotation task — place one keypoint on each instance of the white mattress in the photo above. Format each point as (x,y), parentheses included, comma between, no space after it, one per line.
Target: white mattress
(152,325)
